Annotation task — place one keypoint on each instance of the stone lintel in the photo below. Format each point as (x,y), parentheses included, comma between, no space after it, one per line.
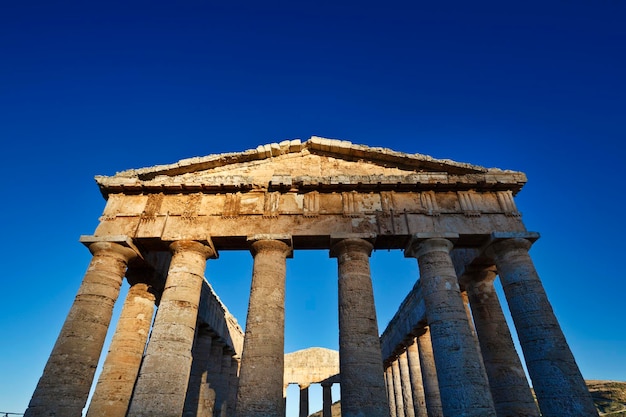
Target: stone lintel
(123,240)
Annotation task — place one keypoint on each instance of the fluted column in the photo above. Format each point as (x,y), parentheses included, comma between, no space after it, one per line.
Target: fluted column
(121,367)
(198,401)
(415,373)
(64,386)
(327,399)
(391,394)
(164,375)
(360,360)
(429,375)
(463,384)
(405,377)
(557,381)
(304,401)
(507,380)
(262,362)
(397,388)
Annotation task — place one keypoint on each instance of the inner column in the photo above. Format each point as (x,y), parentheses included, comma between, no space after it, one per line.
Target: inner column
(262,361)
(360,362)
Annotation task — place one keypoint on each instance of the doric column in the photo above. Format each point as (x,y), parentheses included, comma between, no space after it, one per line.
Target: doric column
(64,386)
(429,375)
(233,385)
(360,360)
(222,389)
(164,375)
(397,388)
(463,384)
(507,380)
(557,381)
(415,373)
(407,392)
(327,399)
(262,362)
(304,401)
(121,366)
(198,401)
(391,394)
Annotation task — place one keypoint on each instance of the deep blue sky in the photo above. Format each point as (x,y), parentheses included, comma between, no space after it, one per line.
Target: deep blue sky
(89,88)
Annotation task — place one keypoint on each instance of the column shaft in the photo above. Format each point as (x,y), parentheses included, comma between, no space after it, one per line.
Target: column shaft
(262,363)
(417,386)
(327,400)
(397,388)
(463,383)
(429,375)
(557,381)
(391,394)
(407,392)
(507,380)
(304,401)
(67,377)
(360,360)
(121,367)
(162,384)
(198,401)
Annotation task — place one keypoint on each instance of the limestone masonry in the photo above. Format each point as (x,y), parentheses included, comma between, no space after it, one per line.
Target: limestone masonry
(177,351)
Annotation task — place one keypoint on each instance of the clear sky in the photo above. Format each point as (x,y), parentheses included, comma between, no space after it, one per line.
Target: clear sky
(92,87)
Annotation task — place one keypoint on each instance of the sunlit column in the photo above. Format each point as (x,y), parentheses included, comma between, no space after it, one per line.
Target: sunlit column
(121,367)
(391,395)
(397,388)
(262,362)
(407,394)
(417,386)
(360,361)
(463,384)
(557,381)
(429,375)
(164,375)
(64,386)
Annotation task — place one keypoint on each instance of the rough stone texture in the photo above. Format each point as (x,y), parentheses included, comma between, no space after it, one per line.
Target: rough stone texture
(310,366)
(463,384)
(64,386)
(391,395)
(199,399)
(117,379)
(262,362)
(362,383)
(417,386)
(558,384)
(429,375)
(162,383)
(509,387)
(407,392)
(397,388)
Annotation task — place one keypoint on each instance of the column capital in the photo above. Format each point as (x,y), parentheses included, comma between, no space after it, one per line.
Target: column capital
(121,245)
(519,239)
(351,244)
(276,243)
(205,248)
(421,243)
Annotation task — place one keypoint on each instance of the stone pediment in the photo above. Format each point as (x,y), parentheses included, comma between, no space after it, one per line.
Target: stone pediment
(318,163)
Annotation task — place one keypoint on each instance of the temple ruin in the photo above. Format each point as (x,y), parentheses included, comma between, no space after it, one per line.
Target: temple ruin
(447,352)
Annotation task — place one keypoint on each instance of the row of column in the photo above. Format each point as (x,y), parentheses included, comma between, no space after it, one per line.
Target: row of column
(443,371)
(327,400)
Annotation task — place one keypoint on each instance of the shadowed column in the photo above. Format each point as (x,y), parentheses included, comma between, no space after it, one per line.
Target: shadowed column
(164,375)
(198,401)
(557,381)
(119,373)
(407,394)
(262,361)
(429,375)
(64,386)
(360,362)
(415,372)
(507,380)
(327,399)
(463,384)
(304,401)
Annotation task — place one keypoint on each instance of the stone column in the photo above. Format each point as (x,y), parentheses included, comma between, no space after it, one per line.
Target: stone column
(391,395)
(214,374)
(507,380)
(198,401)
(557,381)
(304,401)
(221,402)
(64,386)
(327,399)
(429,375)
(405,377)
(164,375)
(417,386)
(262,361)
(360,360)
(397,388)
(233,385)
(119,373)
(463,384)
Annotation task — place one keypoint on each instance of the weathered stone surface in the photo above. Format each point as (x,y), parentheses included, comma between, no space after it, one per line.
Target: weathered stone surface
(310,366)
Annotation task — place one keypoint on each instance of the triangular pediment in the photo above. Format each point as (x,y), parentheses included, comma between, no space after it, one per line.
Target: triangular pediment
(317,163)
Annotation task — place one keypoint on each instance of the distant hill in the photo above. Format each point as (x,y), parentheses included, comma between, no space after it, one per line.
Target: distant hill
(608,396)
